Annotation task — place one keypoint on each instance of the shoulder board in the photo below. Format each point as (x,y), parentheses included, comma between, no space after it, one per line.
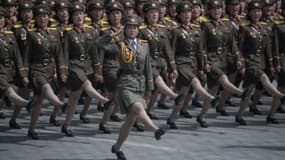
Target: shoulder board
(53,25)
(33,21)
(8,32)
(161,26)
(204,19)
(241,16)
(105,22)
(245,23)
(142,41)
(195,25)
(87,26)
(168,19)
(105,28)
(52,20)
(142,26)
(263,23)
(279,22)
(32,29)
(175,27)
(68,28)
(87,18)
(52,28)
(225,19)
(18,26)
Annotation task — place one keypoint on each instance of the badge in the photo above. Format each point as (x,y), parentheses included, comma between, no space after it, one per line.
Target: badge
(183,35)
(76,40)
(23,36)
(149,37)
(252,34)
(39,41)
(214,32)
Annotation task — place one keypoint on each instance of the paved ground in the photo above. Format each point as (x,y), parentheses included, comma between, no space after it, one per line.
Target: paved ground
(223,140)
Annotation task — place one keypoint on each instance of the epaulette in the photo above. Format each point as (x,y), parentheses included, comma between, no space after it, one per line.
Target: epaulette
(142,26)
(8,32)
(31,29)
(225,19)
(105,28)
(52,28)
(18,26)
(175,27)
(143,41)
(195,25)
(161,26)
(279,22)
(68,28)
(87,26)
(52,20)
(204,19)
(245,23)
(241,16)
(168,19)
(263,23)
(54,25)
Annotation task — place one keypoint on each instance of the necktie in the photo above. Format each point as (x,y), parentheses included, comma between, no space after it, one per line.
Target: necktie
(134,44)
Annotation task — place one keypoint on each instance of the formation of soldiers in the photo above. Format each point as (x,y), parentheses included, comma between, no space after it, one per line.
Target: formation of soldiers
(128,53)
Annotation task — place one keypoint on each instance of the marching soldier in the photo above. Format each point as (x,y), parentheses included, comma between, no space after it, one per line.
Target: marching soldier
(129,7)
(188,50)
(162,58)
(80,50)
(10,61)
(139,9)
(42,56)
(134,80)
(111,62)
(278,61)
(21,34)
(219,41)
(62,23)
(11,7)
(255,46)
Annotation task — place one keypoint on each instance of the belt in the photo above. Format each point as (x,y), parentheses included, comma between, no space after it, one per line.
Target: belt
(44,61)
(259,52)
(218,50)
(131,72)
(81,57)
(156,54)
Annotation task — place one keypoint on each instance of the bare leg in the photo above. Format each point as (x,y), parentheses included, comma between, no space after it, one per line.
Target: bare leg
(92,92)
(269,86)
(163,88)
(152,100)
(227,85)
(23,92)
(87,104)
(15,98)
(36,109)
(50,95)
(207,102)
(276,103)
(73,100)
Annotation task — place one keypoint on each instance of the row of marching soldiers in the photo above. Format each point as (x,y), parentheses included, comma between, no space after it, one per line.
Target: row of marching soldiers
(191,44)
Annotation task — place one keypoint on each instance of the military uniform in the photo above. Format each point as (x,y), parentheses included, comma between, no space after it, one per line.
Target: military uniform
(188,50)
(108,58)
(162,58)
(220,41)
(255,47)
(9,56)
(11,20)
(43,54)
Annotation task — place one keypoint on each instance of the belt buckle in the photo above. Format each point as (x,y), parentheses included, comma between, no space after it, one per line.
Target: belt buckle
(82,57)
(156,54)
(46,62)
(135,72)
(258,52)
(7,62)
(219,50)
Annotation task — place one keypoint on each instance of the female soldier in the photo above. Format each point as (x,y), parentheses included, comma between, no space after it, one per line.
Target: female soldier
(80,50)
(219,40)
(255,46)
(42,56)
(21,32)
(188,49)
(134,79)
(160,51)
(9,55)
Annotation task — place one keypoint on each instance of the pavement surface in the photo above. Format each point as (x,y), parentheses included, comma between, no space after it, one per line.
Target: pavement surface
(223,140)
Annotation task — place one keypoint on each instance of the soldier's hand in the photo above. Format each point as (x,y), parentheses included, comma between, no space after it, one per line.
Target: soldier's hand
(272,70)
(26,81)
(202,75)
(207,68)
(99,78)
(63,78)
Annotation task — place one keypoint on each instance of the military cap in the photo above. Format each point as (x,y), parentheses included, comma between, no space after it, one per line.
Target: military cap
(268,2)
(163,2)
(128,4)
(9,3)
(114,6)
(140,1)
(45,2)
(232,2)
(26,5)
(254,5)
(132,20)
(3,12)
(61,4)
(197,2)
(41,9)
(171,2)
(215,4)
(150,5)
(77,6)
(95,4)
(183,6)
